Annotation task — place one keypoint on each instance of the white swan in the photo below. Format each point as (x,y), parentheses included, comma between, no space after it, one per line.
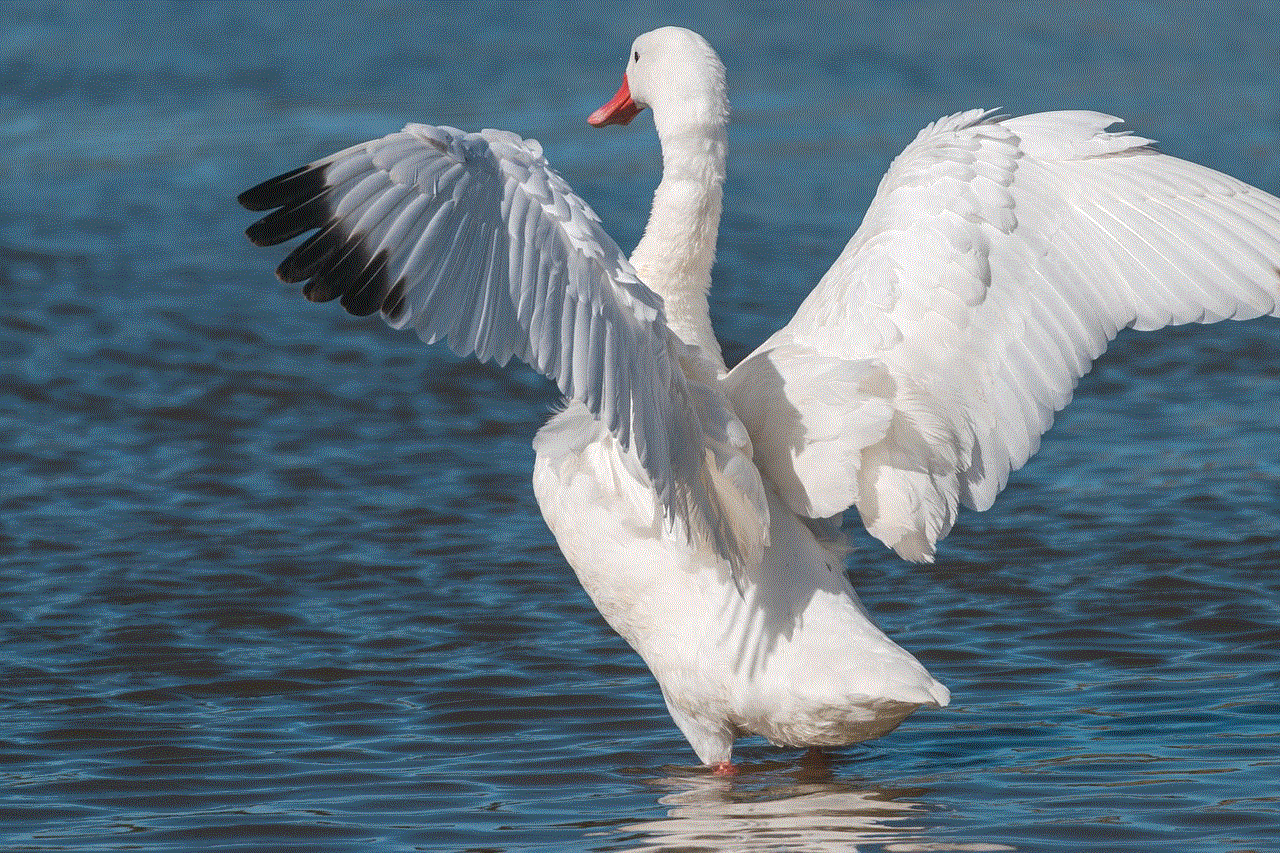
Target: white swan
(700,507)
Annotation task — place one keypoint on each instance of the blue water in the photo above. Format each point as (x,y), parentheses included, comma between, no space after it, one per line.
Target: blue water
(272,577)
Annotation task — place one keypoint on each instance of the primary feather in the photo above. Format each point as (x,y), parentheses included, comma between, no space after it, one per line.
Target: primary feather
(472,238)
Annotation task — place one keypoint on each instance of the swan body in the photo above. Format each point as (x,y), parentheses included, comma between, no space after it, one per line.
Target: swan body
(788,653)
(699,506)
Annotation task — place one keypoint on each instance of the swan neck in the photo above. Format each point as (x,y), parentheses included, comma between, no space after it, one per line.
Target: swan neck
(675,256)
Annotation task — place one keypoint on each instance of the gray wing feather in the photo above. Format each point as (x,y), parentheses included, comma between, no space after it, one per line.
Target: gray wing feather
(471,238)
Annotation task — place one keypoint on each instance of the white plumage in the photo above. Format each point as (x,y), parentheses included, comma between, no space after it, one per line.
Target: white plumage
(998,259)
(699,507)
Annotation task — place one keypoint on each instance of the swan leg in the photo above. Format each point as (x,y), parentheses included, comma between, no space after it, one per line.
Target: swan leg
(712,742)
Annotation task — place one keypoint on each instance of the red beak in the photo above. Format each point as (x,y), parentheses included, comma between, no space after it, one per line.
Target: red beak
(620,110)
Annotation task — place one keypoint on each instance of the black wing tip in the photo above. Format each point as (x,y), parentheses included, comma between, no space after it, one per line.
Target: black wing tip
(368,288)
(278,191)
(258,235)
(249,199)
(298,216)
(320,289)
(354,275)
(297,199)
(393,304)
(332,262)
(311,255)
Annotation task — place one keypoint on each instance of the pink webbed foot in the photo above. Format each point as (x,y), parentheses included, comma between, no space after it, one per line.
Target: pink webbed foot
(724,768)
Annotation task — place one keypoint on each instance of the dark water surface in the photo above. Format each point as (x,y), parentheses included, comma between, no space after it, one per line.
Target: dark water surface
(272,578)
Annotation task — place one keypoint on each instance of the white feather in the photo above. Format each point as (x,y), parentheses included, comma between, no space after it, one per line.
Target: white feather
(1015,249)
(998,259)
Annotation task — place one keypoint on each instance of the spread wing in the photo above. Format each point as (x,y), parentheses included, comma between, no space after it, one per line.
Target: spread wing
(473,239)
(998,259)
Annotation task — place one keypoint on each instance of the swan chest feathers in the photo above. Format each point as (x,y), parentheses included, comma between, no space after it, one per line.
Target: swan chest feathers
(788,652)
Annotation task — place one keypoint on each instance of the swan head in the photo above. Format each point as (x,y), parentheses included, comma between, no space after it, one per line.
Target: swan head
(674,72)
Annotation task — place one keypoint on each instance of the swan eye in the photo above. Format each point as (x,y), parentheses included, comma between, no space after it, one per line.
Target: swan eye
(636,57)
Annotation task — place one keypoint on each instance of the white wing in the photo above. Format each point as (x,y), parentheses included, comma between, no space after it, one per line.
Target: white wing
(473,239)
(997,260)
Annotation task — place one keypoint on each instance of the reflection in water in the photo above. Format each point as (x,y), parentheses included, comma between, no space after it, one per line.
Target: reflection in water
(742,814)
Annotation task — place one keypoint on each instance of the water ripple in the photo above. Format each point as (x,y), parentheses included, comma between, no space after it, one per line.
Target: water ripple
(273,579)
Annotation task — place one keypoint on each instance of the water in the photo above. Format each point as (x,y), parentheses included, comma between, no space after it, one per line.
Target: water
(273,579)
